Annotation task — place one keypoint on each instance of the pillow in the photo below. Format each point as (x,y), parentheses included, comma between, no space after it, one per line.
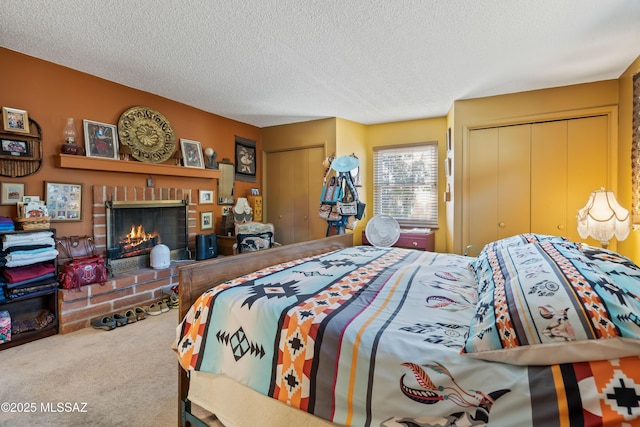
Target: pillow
(546,303)
(254,242)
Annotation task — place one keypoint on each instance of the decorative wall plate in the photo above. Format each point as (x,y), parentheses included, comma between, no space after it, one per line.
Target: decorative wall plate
(148,134)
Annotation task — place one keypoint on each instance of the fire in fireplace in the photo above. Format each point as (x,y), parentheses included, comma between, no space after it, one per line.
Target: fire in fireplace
(134,228)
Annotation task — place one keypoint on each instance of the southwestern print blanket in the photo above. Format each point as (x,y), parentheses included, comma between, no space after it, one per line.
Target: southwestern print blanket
(368,336)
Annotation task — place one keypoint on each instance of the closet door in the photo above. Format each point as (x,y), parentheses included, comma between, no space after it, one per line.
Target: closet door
(499,183)
(549,178)
(588,166)
(293,186)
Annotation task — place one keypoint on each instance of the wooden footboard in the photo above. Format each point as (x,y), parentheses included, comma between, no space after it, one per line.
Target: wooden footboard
(198,277)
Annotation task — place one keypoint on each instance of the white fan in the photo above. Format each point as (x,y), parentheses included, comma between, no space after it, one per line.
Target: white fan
(382,231)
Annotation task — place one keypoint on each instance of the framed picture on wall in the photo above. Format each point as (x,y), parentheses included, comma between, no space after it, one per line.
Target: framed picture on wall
(100,140)
(245,159)
(206,197)
(12,193)
(191,154)
(64,201)
(15,120)
(206,220)
(15,148)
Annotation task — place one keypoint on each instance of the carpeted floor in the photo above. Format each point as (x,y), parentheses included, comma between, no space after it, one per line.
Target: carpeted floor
(124,377)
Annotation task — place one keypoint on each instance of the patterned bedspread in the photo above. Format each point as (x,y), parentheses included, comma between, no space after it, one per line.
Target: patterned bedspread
(369,336)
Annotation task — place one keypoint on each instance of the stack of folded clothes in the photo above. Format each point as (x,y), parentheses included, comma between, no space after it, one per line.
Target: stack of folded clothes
(25,249)
(20,281)
(6,224)
(29,261)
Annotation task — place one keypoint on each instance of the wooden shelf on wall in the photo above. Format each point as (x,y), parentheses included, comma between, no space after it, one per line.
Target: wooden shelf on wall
(69,161)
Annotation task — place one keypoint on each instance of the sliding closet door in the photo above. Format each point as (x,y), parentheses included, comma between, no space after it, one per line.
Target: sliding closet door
(549,183)
(588,166)
(499,182)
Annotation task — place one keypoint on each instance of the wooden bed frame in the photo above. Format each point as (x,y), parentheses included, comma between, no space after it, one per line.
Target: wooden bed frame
(200,276)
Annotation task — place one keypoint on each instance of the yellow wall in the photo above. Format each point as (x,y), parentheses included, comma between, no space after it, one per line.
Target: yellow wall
(406,132)
(555,103)
(631,246)
(351,140)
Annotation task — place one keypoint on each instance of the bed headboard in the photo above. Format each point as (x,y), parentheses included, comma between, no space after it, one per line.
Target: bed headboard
(198,277)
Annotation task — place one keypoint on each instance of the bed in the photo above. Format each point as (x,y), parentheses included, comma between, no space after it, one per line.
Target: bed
(534,331)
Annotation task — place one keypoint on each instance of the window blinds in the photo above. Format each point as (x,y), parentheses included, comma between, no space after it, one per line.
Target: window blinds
(405,184)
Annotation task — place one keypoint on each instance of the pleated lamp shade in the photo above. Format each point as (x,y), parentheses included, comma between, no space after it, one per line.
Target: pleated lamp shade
(603,218)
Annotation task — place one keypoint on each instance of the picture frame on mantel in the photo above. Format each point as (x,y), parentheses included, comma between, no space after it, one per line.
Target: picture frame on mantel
(100,140)
(192,154)
(64,201)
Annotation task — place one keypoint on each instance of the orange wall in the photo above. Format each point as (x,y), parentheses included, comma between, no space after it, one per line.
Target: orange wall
(50,93)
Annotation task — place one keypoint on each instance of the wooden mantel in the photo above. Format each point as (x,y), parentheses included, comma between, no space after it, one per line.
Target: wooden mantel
(69,161)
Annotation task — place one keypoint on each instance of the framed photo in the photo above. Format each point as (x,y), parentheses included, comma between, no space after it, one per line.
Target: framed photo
(12,193)
(255,191)
(10,147)
(449,140)
(245,160)
(227,210)
(100,140)
(15,120)
(191,154)
(206,220)
(64,201)
(207,197)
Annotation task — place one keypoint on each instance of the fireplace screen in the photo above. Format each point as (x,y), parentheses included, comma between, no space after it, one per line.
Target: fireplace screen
(134,228)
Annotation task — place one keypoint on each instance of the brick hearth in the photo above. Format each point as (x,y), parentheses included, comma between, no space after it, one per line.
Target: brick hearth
(127,290)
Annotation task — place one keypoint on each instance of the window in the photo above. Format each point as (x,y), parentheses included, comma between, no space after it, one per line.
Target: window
(405,184)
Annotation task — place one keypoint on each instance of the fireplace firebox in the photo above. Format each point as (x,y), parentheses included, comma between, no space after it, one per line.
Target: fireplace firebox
(135,227)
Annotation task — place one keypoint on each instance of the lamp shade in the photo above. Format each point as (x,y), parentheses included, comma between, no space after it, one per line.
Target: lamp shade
(603,217)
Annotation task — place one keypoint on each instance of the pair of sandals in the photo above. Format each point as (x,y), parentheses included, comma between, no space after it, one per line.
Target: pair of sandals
(163,306)
(111,322)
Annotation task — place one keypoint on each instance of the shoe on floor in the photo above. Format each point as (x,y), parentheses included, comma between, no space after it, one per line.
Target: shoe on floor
(141,313)
(107,323)
(154,309)
(163,306)
(120,319)
(131,316)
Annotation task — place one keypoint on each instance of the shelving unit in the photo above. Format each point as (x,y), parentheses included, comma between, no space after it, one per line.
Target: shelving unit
(24,156)
(30,305)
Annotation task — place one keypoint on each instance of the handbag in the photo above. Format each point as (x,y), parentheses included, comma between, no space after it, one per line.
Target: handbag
(360,206)
(329,212)
(347,208)
(73,247)
(331,192)
(83,271)
(79,264)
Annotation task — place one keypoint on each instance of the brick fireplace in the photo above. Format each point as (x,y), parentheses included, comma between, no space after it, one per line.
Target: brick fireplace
(138,287)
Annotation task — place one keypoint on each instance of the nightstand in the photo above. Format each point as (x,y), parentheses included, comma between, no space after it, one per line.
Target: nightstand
(412,239)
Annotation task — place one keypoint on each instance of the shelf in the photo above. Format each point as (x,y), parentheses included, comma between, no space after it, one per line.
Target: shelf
(69,161)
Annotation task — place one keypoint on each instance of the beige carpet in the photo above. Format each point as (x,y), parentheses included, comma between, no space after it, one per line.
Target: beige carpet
(124,377)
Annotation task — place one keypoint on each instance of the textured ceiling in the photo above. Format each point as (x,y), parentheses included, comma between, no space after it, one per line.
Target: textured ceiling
(270,62)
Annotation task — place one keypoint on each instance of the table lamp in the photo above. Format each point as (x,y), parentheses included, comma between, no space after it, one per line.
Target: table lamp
(603,217)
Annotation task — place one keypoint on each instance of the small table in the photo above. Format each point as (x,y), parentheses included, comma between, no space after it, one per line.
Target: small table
(411,239)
